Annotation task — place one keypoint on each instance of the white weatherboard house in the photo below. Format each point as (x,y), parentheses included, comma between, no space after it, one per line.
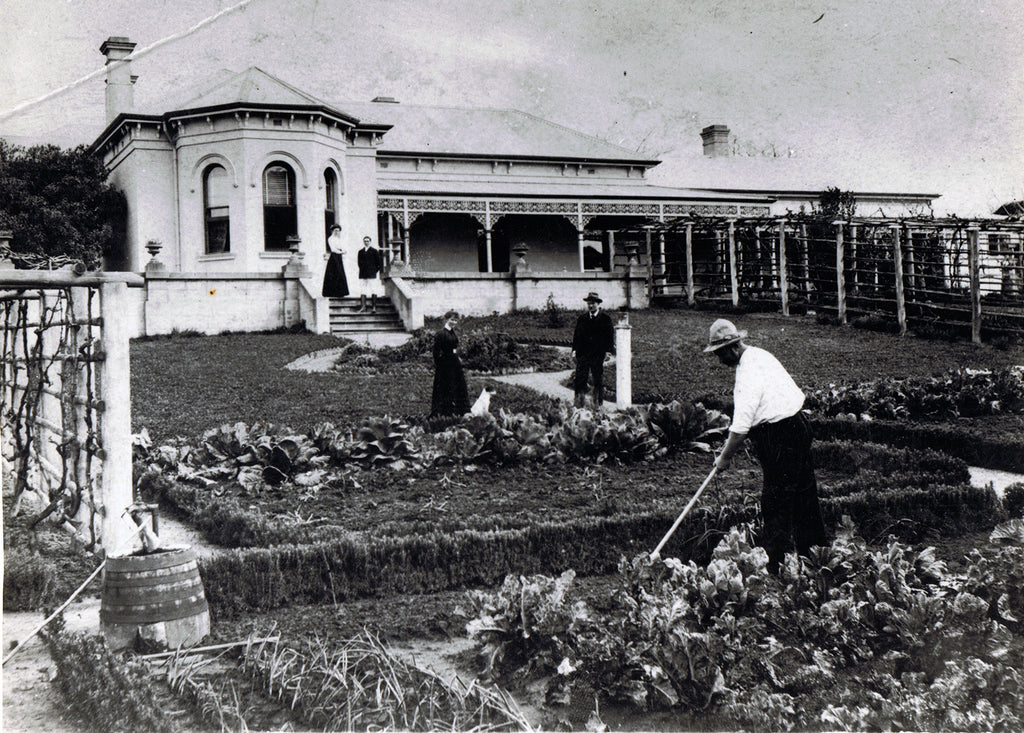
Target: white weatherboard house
(481,210)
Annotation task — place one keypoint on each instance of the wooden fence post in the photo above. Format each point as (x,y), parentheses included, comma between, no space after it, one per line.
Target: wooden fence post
(897,261)
(115,433)
(734,279)
(783,275)
(840,275)
(908,237)
(974,264)
(690,296)
(807,262)
(854,278)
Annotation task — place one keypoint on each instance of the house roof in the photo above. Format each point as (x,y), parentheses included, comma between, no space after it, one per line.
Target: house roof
(790,177)
(585,189)
(421,129)
(252,86)
(1010,208)
(496,132)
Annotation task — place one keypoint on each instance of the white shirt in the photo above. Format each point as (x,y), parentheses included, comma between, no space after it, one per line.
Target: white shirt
(764,391)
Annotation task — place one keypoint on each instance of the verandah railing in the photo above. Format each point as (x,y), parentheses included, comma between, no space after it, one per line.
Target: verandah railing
(956,273)
(66,398)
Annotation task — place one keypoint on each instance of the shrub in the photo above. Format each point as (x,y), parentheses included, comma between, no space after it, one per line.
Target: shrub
(29,580)
(110,691)
(1013,501)
(552,313)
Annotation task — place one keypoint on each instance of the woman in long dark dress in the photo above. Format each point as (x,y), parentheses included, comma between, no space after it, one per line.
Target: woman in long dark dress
(335,282)
(450,396)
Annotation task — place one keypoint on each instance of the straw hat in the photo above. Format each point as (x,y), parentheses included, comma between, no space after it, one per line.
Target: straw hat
(723,333)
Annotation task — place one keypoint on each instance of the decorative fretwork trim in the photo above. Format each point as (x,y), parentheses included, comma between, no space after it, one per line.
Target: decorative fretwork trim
(417,206)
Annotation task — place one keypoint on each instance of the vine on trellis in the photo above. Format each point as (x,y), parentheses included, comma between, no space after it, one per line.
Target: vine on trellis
(49,401)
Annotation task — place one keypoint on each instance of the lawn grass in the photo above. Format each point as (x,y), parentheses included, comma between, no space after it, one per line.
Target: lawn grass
(185,385)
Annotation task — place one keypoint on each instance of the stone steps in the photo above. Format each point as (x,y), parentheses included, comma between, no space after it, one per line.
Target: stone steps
(346,319)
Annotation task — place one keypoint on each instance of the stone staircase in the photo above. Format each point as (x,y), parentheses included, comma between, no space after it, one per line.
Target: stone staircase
(346,320)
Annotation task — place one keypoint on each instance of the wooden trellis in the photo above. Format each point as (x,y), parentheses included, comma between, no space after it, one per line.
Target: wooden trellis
(955,272)
(66,399)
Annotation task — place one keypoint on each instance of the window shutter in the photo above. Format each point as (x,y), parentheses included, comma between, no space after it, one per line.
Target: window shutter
(277,189)
(217,187)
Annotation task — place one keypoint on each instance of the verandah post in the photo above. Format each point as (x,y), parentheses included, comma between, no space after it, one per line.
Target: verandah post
(897,261)
(840,275)
(974,265)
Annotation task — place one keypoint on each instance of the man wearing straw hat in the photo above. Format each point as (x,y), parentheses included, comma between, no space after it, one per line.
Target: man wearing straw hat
(592,340)
(767,408)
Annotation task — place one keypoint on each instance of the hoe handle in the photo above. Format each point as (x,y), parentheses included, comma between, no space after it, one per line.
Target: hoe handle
(686,510)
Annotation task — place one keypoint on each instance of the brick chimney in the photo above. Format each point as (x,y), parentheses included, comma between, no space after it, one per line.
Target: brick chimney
(119,95)
(716,141)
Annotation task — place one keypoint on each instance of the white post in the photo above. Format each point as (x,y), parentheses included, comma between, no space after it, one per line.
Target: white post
(623,364)
(115,430)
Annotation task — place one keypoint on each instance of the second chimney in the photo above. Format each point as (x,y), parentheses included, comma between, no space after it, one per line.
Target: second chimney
(716,141)
(119,96)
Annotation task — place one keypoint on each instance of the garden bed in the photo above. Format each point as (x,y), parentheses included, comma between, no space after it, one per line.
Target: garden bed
(329,557)
(784,656)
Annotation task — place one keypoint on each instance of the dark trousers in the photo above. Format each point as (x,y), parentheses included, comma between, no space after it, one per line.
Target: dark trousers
(586,366)
(789,500)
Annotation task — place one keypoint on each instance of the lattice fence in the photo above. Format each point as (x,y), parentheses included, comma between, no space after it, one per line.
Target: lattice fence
(955,273)
(65,400)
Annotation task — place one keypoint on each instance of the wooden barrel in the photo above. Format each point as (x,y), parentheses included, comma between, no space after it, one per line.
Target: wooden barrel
(158,597)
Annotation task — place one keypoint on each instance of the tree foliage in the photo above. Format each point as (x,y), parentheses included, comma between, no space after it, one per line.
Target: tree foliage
(835,204)
(58,205)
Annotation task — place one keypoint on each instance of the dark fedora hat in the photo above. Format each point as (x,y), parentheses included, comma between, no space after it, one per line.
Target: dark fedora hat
(593,297)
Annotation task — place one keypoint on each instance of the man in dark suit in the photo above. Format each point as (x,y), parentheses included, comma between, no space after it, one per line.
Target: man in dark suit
(368,260)
(592,341)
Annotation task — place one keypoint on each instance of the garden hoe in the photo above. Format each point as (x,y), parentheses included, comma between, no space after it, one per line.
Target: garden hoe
(656,555)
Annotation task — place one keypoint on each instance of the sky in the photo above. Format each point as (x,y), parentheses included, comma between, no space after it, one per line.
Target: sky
(911,95)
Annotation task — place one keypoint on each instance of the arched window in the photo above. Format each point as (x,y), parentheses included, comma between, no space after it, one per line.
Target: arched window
(331,202)
(280,219)
(216,186)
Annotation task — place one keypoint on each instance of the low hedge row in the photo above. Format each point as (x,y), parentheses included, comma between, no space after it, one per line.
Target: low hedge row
(352,567)
(1003,455)
(33,580)
(228,523)
(109,691)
